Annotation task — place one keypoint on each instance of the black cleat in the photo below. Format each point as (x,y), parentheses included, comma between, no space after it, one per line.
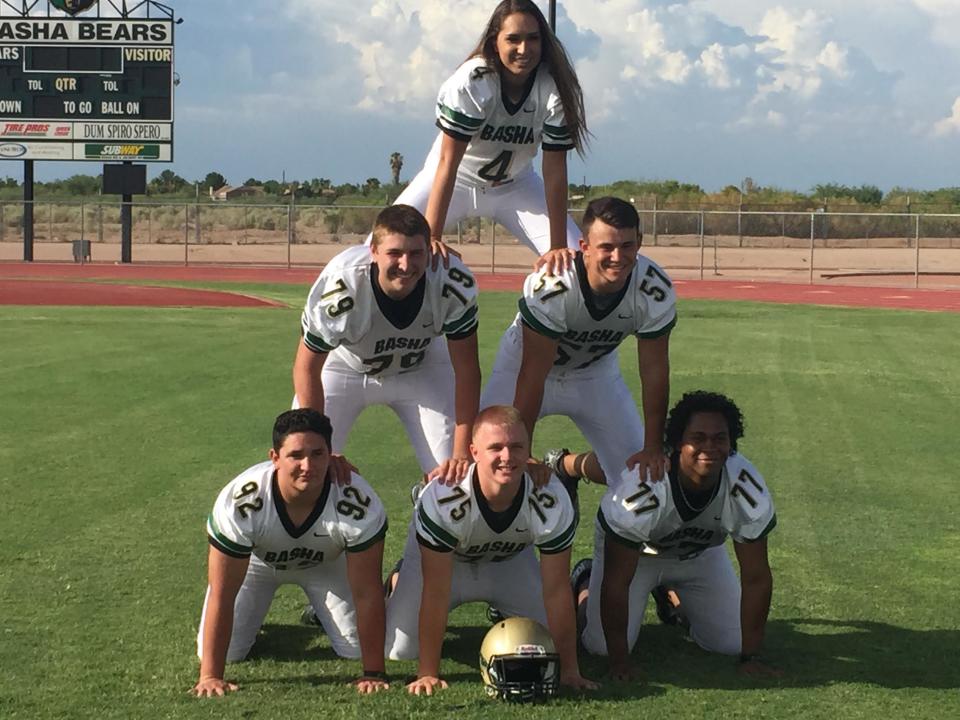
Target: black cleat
(415,492)
(494,615)
(309,617)
(554,460)
(580,576)
(667,612)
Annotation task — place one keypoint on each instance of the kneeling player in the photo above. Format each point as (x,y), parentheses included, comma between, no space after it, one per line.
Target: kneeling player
(285,522)
(473,542)
(672,533)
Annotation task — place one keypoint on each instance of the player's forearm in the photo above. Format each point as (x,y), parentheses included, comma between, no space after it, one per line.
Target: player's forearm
(755,595)
(307,383)
(528,403)
(371,627)
(613,617)
(217,630)
(466,406)
(584,465)
(655,395)
(561,620)
(528,395)
(555,192)
(433,624)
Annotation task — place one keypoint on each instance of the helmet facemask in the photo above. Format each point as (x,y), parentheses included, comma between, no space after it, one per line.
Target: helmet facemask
(523,677)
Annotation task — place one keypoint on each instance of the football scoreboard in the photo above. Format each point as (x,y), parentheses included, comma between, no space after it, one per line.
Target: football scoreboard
(86,88)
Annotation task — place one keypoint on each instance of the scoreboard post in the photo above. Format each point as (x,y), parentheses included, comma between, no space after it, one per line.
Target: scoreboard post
(75,85)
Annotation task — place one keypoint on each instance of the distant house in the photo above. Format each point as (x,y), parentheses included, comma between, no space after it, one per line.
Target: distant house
(228,192)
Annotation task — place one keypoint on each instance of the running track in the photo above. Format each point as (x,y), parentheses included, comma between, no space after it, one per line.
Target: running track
(70,284)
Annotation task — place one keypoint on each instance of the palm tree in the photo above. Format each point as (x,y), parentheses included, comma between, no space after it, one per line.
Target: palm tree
(396,164)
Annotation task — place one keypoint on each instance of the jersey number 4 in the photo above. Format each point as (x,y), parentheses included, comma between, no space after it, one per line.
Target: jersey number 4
(498,168)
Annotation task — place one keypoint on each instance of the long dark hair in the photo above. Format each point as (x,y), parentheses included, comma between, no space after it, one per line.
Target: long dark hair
(551,53)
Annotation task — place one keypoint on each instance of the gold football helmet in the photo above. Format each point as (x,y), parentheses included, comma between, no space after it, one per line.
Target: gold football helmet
(518,661)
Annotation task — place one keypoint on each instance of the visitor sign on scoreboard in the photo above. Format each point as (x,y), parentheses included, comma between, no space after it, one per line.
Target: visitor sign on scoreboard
(74,87)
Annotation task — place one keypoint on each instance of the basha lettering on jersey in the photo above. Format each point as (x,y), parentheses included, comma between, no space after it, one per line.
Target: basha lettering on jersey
(504,547)
(605,336)
(301,553)
(395,343)
(516,134)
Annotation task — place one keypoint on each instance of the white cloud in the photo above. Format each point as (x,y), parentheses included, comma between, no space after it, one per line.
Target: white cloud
(399,50)
(949,125)
(946,20)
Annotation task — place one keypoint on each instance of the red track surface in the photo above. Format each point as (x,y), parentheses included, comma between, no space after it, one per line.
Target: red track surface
(20,283)
(57,292)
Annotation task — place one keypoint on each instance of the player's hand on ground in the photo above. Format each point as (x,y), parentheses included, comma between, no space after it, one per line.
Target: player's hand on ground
(652,464)
(426,685)
(555,261)
(340,469)
(441,253)
(213,687)
(366,685)
(450,472)
(757,668)
(576,681)
(623,672)
(539,473)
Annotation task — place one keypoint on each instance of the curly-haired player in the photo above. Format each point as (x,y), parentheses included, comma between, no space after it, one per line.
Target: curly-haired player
(672,534)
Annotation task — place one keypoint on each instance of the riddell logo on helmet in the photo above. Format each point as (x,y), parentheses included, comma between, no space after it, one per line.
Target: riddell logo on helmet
(530,650)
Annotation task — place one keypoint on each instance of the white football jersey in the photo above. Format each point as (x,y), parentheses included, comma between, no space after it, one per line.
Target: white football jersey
(250,518)
(563,307)
(503,138)
(656,519)
(457,519)
(344,316)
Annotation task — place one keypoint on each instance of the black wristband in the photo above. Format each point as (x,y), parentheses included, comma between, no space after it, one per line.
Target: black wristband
(748,657)
(375,675)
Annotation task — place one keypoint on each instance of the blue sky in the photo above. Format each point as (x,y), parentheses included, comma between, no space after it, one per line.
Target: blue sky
(705,91)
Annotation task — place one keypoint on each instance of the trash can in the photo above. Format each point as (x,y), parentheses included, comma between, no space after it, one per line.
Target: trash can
(81,250)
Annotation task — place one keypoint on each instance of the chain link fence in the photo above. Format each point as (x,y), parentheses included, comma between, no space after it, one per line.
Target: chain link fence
(897,249)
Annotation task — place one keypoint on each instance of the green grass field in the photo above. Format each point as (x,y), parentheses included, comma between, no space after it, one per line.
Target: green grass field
(119,425)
